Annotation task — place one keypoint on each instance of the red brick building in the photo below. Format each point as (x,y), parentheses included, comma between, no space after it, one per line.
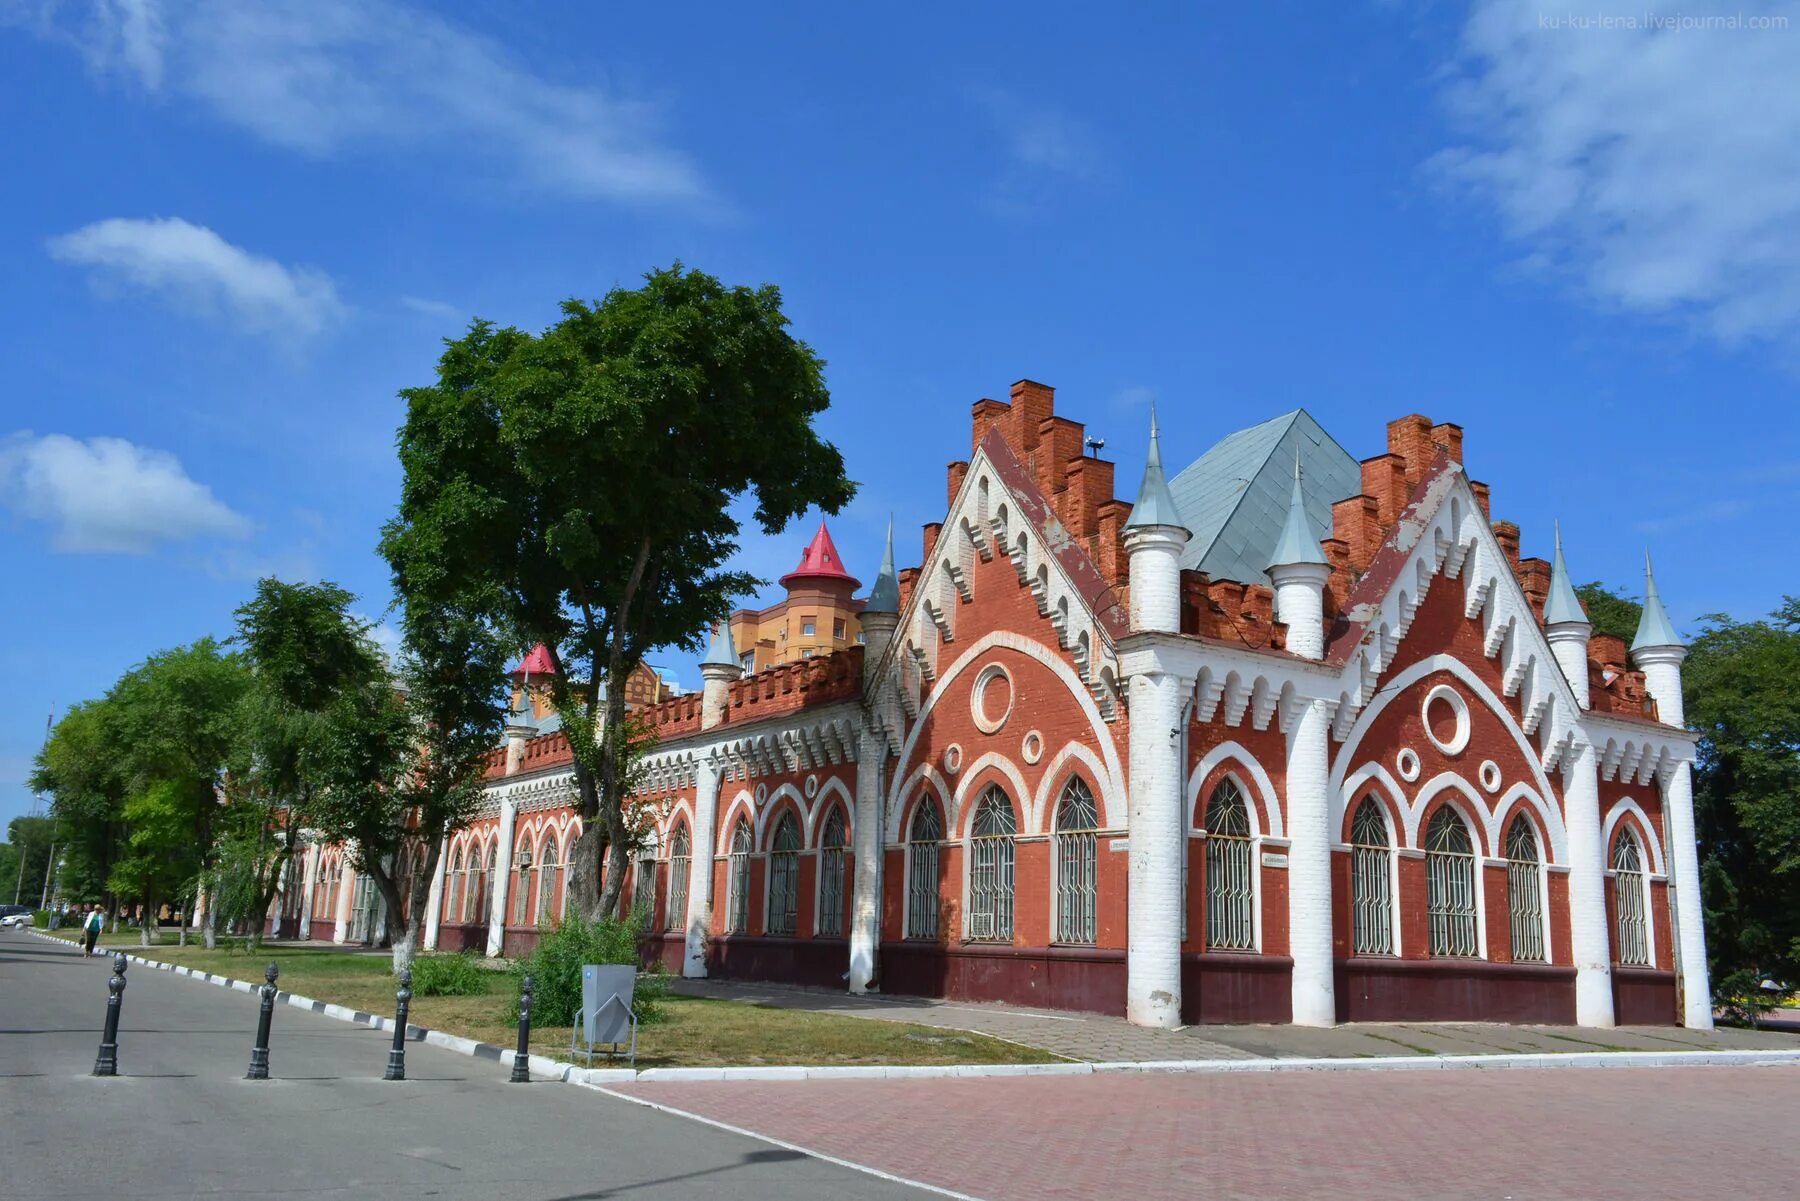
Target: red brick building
(1295,737)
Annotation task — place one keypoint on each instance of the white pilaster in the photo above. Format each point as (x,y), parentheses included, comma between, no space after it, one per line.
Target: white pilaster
(500,886)
(1661,666)
(1155,553)
(700,868)
(1309,866)
(1685,906)
(1588,936)
(865,893)
(1153,948)
(346,898)
(434,906)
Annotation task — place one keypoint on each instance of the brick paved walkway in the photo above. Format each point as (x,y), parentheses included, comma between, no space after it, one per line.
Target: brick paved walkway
(1103,1039)
(1627,1133)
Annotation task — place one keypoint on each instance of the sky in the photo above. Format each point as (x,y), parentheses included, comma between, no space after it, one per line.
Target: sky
(230,233)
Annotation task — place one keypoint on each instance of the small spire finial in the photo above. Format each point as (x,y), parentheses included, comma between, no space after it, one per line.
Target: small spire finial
(884,597)
(1654,627)
(1562,606)
(722,652)
(1155,505)
(1298,543)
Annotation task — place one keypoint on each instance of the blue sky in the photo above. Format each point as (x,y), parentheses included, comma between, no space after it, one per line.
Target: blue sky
(230,233)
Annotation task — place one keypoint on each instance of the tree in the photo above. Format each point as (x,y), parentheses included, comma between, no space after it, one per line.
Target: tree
(1740,698)
(1610,610)
(25,859)
(576,486)
(79,766)
(305,651)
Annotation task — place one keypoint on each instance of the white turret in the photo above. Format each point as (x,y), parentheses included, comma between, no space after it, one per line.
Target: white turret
(1657,650)
(1298,570)
(1154,538)
(1567,627)
(718,670)
(882,612)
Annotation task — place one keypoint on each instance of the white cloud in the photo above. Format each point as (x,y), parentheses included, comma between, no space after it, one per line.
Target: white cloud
(1660,169)
(1046,150)
(198,270)
(109,496)
(433,308)
(330,77)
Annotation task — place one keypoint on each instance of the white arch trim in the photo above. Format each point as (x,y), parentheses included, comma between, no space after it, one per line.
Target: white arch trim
(1648,830)
(1259,779)
(821,801)
(960,813)
(745,801)
(1038,819)
(1466,804)
(896,807)
(1031,648)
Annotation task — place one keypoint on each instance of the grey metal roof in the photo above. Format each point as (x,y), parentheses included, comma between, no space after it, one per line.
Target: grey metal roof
(1654,627)
(1562,605)
(1154,504)
(1235,497)
(884,596)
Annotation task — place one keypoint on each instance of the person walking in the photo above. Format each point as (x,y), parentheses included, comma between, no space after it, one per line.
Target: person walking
(91,928)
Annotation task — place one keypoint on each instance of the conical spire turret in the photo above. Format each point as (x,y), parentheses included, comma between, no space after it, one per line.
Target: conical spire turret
(1562,605)
(1298,543)
(1654,628)
(722,652)
(884,597)
(1155,505)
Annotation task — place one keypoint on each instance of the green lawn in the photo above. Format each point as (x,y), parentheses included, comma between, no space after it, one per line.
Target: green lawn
(696,1032)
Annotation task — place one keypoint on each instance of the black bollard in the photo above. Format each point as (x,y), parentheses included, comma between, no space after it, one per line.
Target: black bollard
(522,1057)
(259,1054)
(396,1068)
(107,1062)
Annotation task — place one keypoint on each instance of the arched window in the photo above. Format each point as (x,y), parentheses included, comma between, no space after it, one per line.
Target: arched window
(522,894)
(922,870)
(643,886)
(453,887)
(991,868)
(549,905)
(1628,899)
(1230,892)
(784,877)
(486,907)
(1076,862)
(1450,884)
(1524,892)
(831,875)
(738,911)
(1371,880)
(676,918)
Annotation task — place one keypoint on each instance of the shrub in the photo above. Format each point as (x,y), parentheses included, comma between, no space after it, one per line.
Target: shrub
(448,976)
(555,970)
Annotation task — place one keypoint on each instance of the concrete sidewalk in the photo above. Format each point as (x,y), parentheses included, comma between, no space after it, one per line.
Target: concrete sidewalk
(1098,1038)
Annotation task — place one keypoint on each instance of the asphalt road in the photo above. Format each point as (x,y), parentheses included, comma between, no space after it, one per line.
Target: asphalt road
(181,1121)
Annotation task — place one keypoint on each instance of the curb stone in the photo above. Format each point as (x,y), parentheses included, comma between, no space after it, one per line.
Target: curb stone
(556,1071)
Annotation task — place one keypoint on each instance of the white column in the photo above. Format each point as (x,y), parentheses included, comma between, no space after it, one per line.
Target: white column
(501,885)
(865,911)
(312,883)
(1569,643)
(1153,947)
(700,868)
(346,897)
(283,882)
(435,906)
(1300,605)
(1309,866)
(1685,907)
(1588,939)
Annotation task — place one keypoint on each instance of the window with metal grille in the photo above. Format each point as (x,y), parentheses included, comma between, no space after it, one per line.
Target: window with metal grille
(784,877)
(522,895)
(991,868)
(643,887)
(549,908)
(1628,900)
(1371,881)
(831,876)
(1076,863)
(1524,892)
(1230,892)
(676,918)
(738,914)
(922,840)
(452,887)
(1450,885)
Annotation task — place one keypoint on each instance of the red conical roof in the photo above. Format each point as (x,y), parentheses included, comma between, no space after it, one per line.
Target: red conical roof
(536,663)
(820,562)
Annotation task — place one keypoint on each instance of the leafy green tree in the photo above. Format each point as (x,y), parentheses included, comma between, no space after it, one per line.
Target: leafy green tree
(577,486)
(305,652)
(25,859)
(79,766)
(1740,697)
(1610,610)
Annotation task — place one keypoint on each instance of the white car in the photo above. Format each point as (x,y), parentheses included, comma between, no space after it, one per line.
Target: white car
(21,918)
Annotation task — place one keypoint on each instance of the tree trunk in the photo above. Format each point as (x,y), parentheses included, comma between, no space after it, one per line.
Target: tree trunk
(389,888)
(407,948)
(148,922)
(584,870)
